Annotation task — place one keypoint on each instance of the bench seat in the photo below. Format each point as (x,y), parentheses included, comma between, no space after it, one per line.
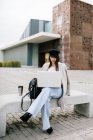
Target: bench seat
(83,104)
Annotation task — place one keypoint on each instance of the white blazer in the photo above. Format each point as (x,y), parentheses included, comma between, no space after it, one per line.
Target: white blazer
(64,78)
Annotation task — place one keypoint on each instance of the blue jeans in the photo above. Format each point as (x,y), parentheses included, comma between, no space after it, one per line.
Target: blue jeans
(42,102)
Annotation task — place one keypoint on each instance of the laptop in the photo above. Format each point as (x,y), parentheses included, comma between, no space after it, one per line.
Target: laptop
(49,79)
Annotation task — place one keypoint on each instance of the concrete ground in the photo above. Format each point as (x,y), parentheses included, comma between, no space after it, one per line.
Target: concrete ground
(67,126)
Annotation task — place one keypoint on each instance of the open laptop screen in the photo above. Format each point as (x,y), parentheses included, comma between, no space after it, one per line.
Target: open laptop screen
(49,78)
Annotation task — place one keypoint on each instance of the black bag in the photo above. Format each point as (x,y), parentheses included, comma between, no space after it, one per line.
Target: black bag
(34,91)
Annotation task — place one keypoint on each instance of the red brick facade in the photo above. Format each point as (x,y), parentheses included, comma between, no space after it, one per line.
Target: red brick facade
(73,20)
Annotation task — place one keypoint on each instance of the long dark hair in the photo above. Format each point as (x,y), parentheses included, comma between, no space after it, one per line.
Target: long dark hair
(56,63)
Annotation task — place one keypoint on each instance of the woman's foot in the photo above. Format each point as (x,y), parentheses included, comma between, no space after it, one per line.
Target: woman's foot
(25,117)
(49,130)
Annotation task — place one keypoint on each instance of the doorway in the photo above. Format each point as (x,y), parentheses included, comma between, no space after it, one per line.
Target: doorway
(43,57)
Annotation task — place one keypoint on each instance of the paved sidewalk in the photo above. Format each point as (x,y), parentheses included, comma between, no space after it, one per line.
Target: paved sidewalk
(70,126)
(67,125)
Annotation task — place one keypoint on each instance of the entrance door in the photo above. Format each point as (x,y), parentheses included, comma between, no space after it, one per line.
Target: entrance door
(43,57)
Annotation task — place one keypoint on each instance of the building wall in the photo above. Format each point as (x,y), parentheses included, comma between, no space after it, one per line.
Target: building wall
(29,54)
(61,25)
(18,53)
(1,56)
(35,26)
(35,55)
(81,29)
(48,27)
(73,20)
(32,54)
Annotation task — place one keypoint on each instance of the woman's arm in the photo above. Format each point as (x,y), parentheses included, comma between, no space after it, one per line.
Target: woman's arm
(45,67)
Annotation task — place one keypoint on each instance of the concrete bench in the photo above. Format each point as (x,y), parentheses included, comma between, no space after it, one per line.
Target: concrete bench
(11,103)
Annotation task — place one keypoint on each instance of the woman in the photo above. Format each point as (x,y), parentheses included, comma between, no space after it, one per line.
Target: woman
(42,101)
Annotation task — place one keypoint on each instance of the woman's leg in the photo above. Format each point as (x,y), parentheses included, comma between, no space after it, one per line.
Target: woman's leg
(39,102)
(42,103)
(45,115)
(45,110)
(36,105)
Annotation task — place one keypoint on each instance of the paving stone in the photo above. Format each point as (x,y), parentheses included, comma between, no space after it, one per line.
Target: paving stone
(88,136)
(6,138)
(13,136)
(21,137)
(26,133)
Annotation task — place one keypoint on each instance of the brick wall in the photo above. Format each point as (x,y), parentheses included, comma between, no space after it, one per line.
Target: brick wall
(81,32)
(61,25)
(73,19)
